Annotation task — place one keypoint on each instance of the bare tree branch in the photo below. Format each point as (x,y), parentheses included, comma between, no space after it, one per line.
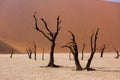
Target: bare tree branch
(38,29)
(58,22)
(70,47)
(95,39)
(83,51)
(58,27)
(93,49)
(101,50)
(92,41)
(46,26)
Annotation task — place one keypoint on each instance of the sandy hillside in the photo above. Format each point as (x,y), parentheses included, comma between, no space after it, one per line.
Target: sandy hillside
(5,48)
(22,68)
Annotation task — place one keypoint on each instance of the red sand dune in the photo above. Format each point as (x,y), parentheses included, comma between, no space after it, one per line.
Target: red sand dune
(79,16)
(6,49)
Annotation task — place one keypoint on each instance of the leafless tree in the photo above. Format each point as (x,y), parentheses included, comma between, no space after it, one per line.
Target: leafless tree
(102,49)
(70,56)
(43,55)
(74,49)
(93,49)
(51,36)
(29,51)
(12,51)
(83,51)
(34,50)
(117,52)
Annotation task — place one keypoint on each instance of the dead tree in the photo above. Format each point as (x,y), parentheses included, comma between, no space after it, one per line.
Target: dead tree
(29,51)
(93,49)
(34,50)
(74,49)
(101,50)
(83,51)
(51,36)
(117,52)
(12,51)
(43,55)
(70,56)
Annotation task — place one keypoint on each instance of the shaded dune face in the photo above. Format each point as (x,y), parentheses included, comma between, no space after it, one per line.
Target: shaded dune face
(6,49)
(79,16)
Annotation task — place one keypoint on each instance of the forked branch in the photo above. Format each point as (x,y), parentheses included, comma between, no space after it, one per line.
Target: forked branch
(93,43)
(46,26)
(38,29)
(51,36)
(29,51)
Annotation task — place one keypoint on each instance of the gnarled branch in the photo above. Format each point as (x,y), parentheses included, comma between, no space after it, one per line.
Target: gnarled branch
(46,26)
(38,29)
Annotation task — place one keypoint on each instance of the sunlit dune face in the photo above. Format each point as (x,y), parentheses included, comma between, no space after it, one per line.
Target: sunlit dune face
(81,17)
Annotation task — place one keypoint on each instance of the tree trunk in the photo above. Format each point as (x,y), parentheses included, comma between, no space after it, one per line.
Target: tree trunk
(35,57)
(77,63)
(51,61)
(102,49)
(43,55)
(89,61)
(82,56)
(70,56)
(101,54)
(11,53)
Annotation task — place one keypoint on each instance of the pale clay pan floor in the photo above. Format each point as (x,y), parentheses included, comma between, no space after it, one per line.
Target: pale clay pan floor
(22,68)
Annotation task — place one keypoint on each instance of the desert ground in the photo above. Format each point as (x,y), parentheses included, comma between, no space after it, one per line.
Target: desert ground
(20,67)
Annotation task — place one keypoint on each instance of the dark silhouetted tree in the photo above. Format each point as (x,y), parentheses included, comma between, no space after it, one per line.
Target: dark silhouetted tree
(74,49)
(117,52)
(29,51)
(43,55)
(93,43)
(34,50)
(51,36)
(12,51)
(102,49)
(83,51)
(70,56)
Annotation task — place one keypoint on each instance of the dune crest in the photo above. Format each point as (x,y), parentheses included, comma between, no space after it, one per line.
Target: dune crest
(6,48)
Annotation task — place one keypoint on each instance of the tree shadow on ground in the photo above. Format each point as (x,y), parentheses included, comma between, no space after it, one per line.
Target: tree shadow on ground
(51,67)
(103,69)
(109,70)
